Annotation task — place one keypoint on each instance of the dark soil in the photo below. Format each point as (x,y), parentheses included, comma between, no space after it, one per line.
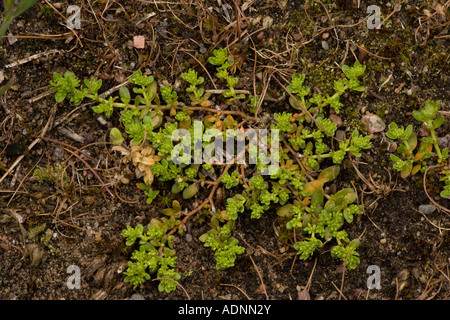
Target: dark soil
(407,63)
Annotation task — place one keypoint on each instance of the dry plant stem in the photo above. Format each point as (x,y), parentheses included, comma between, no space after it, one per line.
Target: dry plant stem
(92,170)
(21,182)
(308,284)
(430,222)
(208,200)
(260,277)
(234,286)
(447,211)
(47,127)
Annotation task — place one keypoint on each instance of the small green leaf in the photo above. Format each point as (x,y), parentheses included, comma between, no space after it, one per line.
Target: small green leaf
(116,136)
(124,94)
(439,121)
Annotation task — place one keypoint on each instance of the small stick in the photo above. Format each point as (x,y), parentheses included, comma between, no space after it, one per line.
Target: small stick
(44,131)
(232,285)
(260,277)
(92,170)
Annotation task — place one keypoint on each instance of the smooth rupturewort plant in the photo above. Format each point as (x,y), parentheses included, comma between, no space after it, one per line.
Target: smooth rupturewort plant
(301,202)
(406,162)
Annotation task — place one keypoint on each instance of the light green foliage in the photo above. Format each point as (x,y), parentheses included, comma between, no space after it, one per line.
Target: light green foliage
(299,201)
(351,82)
(307,247)
(194,80)
(446,179)
(155,254)
(230,180)
(347,254)
(235,206)
(253,103)
(54,174)
(166,170)
(149,192)
(257,182)
(428,115)
(141,80)
(220,59)
(68,86)
(408,163)
(324,221)
(395,132)
(169,96)
(296,86)
(181,116)
(358,143)
(35,231)
(225,247)
(283,121)
(116,136)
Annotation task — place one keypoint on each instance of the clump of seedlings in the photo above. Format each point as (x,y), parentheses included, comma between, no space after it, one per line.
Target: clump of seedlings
(407,162)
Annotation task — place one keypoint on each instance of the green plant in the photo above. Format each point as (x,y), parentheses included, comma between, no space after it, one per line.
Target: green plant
(428,115)
(446,191)
(12,10)
(148,136)
(155,254)
(197,95)
(220,59)
(406,162)
(55,174)
(230,181)
(225,246)
(350,82)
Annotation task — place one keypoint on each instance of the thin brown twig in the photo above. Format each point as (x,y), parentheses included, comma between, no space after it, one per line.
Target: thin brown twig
(234,286)
(47,127)
(260,277)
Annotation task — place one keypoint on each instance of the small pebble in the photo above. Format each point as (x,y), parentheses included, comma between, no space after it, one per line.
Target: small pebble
(340,134)
(11,39)
(188,237)
(336,119)
(427,208)
(373,123)
(267,22)
(383,241)
(139,42)
(325,45)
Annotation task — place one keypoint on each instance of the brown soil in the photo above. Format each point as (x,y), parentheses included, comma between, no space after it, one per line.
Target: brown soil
(407,63)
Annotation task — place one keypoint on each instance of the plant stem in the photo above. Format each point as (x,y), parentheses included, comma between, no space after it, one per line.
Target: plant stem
(436,146)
